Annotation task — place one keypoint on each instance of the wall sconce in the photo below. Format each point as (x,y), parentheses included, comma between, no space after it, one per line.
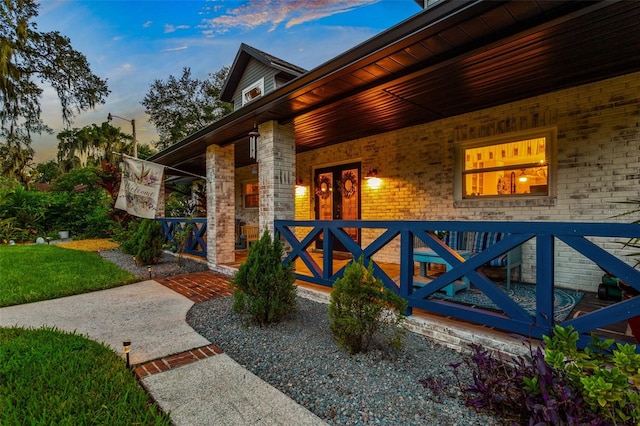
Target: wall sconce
(253,142)
(300,188)
(373,181)
(127,348)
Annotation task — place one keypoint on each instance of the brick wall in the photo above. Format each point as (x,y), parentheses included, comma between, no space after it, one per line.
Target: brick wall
(220,205)
(598,165)
(276,156)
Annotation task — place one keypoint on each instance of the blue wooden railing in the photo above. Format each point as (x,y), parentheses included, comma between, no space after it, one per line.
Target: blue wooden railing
(513,318)
(196,242)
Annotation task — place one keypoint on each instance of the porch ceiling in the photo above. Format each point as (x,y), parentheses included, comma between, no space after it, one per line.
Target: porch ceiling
(453,58)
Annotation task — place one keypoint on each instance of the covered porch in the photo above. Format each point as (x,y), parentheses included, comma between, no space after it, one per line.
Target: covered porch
(508,311)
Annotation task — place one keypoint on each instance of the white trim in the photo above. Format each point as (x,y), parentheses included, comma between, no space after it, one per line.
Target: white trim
(247,96)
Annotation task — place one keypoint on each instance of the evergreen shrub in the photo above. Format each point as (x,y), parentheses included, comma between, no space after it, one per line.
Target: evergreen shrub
(361,307)
(146,243)
(264,287)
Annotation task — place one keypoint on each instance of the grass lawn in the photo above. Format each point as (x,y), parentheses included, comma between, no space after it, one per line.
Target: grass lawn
(56,378)
(31,273)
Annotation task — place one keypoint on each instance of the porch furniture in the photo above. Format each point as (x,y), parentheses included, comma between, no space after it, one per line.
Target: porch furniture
(250,233)
(424,257)
(476,242)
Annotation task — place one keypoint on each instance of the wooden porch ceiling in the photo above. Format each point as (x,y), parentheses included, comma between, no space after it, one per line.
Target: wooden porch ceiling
(453,58)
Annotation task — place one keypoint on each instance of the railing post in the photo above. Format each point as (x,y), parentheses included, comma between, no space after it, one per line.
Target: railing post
(406,266)
(327,249)
(544,281)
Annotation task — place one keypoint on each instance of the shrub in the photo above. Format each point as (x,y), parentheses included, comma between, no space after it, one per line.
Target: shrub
(361,307)
(608,381)
(145,243)
(265,289)
(560,384)
(180,238)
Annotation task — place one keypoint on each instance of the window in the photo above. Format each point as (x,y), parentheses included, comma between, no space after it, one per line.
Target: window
(251,195)
(506,167)
(252,92)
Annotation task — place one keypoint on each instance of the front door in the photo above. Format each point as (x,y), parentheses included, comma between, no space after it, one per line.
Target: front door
(337,190)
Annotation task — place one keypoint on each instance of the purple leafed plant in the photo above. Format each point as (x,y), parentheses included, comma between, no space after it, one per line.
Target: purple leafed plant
(524,388)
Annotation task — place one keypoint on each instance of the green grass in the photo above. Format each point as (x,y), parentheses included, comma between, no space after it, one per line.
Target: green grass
(31,273)
(48,377)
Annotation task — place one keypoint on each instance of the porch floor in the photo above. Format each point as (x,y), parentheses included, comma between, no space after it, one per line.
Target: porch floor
(589,303)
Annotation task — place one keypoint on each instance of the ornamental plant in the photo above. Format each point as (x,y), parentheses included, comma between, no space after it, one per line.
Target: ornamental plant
(559,384)
(609,381)
(146,243)
(264,288)
(180,238)
(361,307)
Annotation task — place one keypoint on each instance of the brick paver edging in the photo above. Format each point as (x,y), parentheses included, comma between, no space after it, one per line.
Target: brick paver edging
(174,361)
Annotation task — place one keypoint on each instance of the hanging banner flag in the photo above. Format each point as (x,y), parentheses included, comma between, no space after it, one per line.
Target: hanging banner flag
(140,187)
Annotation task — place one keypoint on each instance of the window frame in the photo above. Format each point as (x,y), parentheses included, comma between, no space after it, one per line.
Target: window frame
(550,135)
(246,194)
(257,84)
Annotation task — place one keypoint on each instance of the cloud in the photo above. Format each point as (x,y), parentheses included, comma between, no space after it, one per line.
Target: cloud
(175,49)
(168,28)
(276,12)
(125,68)
(147,24)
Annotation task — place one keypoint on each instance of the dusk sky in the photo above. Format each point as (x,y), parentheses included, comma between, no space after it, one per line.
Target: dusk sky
(133,43)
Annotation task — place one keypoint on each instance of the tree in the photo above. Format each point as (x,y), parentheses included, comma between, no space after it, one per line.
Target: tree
(16,155)
(28,56)
(145,151)
(180,107)
(47,172)
(92,145)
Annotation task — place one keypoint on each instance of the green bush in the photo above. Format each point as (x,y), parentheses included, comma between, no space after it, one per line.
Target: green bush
(609,381)
(146,243)
(27,210)
(362,307)
(265,289)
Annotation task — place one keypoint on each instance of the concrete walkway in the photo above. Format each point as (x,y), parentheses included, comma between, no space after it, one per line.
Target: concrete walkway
(185,373)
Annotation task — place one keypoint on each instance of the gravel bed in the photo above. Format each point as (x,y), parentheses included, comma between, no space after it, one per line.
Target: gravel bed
(300,358)
(167,266)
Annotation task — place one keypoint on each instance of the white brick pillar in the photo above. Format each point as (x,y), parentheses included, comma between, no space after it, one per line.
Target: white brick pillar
(220,205)
(277,173)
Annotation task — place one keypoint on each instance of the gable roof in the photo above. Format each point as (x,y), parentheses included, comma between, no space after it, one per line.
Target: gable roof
(245,53)
(452,58)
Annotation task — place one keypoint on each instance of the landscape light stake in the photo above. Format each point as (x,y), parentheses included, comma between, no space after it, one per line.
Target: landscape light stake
(149,270)
(127,349)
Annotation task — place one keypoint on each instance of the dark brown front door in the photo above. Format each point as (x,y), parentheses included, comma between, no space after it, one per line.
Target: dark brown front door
(337,190)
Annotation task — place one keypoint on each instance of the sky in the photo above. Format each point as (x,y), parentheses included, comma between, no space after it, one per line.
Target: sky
(134,43)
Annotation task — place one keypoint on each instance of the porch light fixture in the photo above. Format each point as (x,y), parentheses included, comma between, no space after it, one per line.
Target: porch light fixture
(127,348)
(253,142)
(300,188)
(523,177)
(373,181)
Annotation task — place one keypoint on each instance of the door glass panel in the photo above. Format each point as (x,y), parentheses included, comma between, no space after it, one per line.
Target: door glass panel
(325,199)
(348,186)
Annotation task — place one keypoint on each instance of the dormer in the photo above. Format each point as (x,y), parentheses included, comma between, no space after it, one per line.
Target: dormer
(255,73)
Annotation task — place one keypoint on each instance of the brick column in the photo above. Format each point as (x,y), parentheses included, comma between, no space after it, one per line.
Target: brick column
(220,206)
(277,173)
